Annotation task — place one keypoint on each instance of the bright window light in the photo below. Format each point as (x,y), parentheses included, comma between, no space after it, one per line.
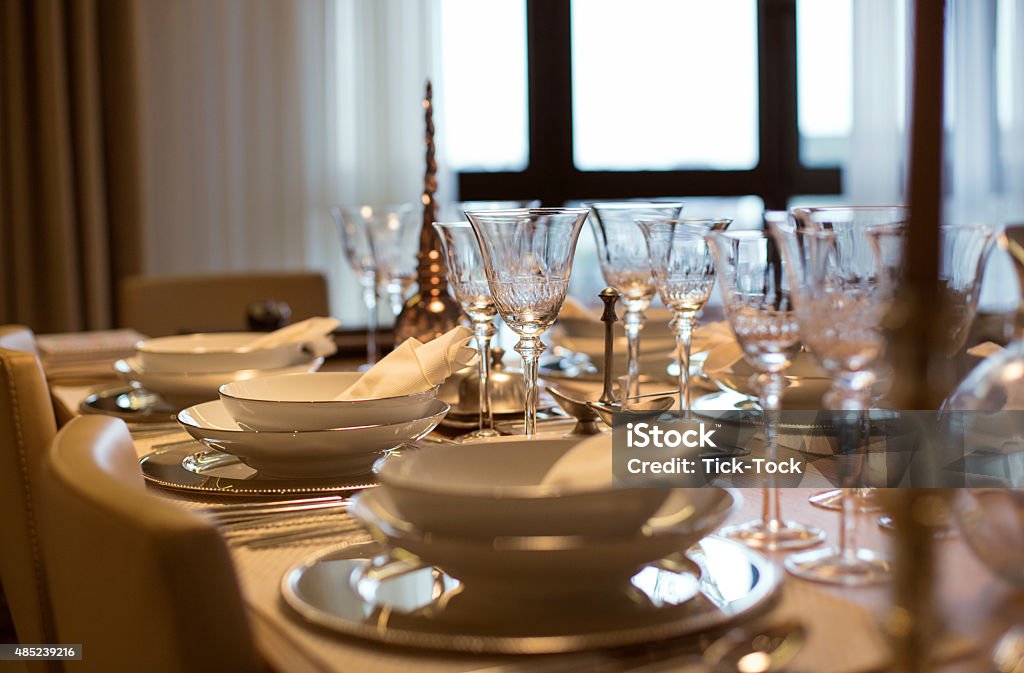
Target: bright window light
(483,87)
(824,79)
(664,84)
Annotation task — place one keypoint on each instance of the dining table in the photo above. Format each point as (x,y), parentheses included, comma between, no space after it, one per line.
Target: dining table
(845,626)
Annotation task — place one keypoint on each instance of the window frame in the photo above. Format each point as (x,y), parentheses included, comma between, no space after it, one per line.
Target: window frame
(552,177)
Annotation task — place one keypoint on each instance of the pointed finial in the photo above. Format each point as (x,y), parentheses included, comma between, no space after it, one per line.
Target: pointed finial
(609,296)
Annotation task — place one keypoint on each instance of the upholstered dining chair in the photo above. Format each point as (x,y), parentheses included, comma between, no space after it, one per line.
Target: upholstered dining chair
(143,584)
(21,338)
(162,305)
(27,426)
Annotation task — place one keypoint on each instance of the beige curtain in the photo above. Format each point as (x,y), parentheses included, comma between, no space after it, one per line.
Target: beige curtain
(70,198)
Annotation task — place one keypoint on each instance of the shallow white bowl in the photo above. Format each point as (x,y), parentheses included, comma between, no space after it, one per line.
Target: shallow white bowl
(306,402)
(551,565)
(484,490)
(187,388)
(317,453)
(216,352)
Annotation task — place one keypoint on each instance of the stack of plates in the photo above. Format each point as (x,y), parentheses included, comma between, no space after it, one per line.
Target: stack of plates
(291,427)
(191,368)
(487,515)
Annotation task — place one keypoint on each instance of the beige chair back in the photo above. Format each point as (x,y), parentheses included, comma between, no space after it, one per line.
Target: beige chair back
(27,427)
(141,582)
(18,338)
(158,306)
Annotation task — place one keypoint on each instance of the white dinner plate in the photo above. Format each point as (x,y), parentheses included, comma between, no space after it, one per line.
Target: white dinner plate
(186,388)
(315,453)
(551,565)
(213,352)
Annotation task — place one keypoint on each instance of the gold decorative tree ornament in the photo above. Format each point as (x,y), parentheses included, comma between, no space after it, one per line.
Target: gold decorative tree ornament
(431,311)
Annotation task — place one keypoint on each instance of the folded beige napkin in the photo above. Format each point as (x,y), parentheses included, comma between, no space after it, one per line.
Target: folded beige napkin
(304,331)
(414,367)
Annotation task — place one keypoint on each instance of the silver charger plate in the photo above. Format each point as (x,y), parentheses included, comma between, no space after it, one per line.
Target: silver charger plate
(425,608)
(133,405)
(187,467)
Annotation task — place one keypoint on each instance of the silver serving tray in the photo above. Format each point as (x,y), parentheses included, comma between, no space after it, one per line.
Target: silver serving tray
(133,405)
(188,467)
(428,609)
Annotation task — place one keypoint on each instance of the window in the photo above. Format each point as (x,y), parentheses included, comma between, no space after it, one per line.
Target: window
(484,82)
(643,95)
(824,30)
(649,98)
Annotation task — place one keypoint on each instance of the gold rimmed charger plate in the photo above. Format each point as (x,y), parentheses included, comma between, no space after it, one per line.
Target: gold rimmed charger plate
(192,468)
(419,609)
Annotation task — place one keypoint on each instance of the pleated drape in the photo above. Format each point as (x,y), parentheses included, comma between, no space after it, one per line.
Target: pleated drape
(70,197)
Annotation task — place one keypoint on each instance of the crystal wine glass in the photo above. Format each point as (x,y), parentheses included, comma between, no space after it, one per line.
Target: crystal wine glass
(964,250)
(854,226)
(528,257)
(395,233)
(358,246)
(684,274)
(756,298)
(467,278)
(626,266)
(840,296)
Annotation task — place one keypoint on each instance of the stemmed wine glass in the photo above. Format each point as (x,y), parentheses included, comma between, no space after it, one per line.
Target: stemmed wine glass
(626,266)
(467,278)
(380,243)
(853,226)
(528,255)
(756,298)
(840,295)
(964,251)
(684,274)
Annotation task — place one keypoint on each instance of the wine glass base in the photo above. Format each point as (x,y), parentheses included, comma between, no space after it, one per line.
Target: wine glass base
(365,367)
(831,566)
(833,500)
(940,532)
(787,535)
(478,434)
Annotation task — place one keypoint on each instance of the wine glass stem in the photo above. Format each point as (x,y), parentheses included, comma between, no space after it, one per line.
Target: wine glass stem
(369,283)
(683,324)
(848,524)
(395,297)
(770,387)
(530,349)
(632,322)
(850,436)
(484,330)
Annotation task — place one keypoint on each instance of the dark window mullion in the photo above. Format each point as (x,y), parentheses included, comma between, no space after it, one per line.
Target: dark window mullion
(549,58)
